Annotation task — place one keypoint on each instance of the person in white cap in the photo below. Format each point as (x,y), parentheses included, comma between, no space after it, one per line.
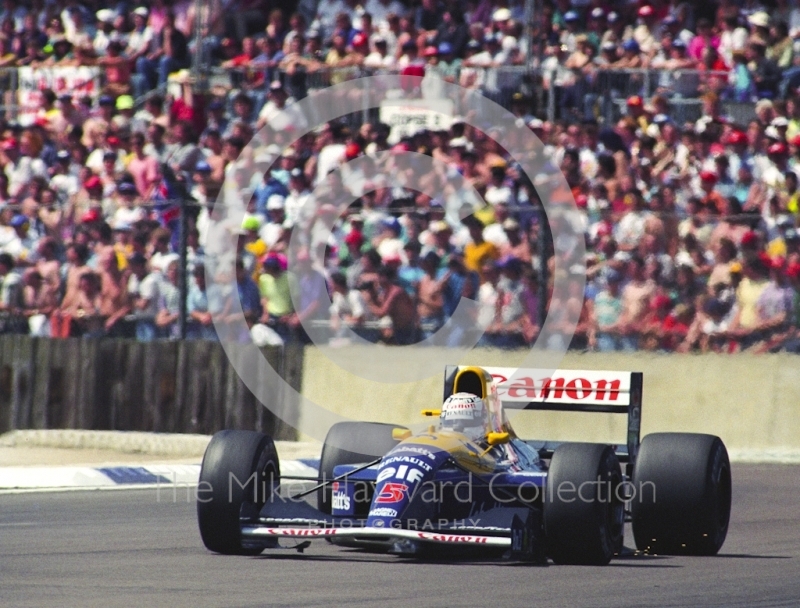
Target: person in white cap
(273,228)
(299,207)
(141,41)
(105,31)
(500,18)
(732,38)
(75,28)
(760,23)
(279,111)
(380,56)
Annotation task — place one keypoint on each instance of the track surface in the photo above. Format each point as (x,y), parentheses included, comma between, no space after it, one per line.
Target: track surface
(134,548)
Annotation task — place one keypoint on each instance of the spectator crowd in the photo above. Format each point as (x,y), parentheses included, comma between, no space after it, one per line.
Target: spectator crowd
(690,226)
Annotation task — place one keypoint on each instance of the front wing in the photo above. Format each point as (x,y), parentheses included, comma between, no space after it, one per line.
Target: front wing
(373,535)
(517,529)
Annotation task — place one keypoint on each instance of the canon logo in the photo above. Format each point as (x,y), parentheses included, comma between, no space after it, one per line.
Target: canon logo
(452,538)
(300,532)
(559,388)
(460,406)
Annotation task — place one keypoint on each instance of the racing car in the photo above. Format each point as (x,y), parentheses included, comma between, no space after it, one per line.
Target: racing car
(467,484)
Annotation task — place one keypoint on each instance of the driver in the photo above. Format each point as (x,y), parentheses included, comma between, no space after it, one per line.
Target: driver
(465,413)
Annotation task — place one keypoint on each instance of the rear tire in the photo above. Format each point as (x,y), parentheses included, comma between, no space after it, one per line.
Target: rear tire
(687,508)
(369,440)
(583,520)
(250,458)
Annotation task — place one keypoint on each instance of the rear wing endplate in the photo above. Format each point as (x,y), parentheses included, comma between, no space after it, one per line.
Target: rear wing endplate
(567,390)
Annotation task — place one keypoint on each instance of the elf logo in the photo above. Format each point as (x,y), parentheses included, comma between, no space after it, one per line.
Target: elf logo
(410,474)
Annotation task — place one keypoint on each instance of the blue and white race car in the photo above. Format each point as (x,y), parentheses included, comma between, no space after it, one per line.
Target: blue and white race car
(468,484)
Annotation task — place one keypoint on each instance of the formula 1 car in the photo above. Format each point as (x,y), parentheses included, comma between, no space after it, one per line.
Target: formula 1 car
(469,485)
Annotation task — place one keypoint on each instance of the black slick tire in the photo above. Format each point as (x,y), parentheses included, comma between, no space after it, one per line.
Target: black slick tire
(238,467)
(352,443)
(583,507)
(682,499)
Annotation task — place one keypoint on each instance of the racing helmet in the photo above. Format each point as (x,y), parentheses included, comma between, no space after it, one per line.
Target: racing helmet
(465,413)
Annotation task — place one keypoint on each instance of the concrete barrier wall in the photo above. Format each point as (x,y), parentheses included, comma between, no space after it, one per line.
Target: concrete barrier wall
(751,401)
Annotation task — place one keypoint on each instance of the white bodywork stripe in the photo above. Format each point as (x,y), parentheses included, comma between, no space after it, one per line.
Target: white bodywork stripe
(376,534)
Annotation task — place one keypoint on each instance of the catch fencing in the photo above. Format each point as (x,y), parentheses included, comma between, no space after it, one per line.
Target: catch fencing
(548,93)
(603,93)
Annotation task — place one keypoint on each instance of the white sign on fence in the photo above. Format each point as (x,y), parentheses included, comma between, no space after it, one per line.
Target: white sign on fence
(407,116)
(80,81)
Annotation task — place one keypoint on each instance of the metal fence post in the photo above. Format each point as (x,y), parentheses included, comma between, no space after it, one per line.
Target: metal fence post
(529,13)
(551,98)
(15,95)
(198,60)
(364,101)
(182,278)
(541,245)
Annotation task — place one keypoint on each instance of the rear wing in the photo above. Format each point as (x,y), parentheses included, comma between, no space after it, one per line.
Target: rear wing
(569,391)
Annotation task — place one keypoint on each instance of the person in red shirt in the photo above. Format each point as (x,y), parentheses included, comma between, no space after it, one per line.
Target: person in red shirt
(651,329)
(713,71)
(188,107)
(247,55)
(246,77)
(664,328)
(676,326)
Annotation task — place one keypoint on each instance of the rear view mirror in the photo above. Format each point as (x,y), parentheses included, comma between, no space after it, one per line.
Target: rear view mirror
(497,438)
(400,434)
(435,413)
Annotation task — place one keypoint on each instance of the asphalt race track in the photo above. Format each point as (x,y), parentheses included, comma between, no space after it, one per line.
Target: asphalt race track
(134,548)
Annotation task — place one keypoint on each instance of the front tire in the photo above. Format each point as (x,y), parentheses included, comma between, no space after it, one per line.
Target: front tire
(583,519)
(369,440)
(238,467)
(682,503)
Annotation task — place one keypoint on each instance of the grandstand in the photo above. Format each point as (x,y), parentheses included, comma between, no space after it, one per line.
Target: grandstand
(676,126)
